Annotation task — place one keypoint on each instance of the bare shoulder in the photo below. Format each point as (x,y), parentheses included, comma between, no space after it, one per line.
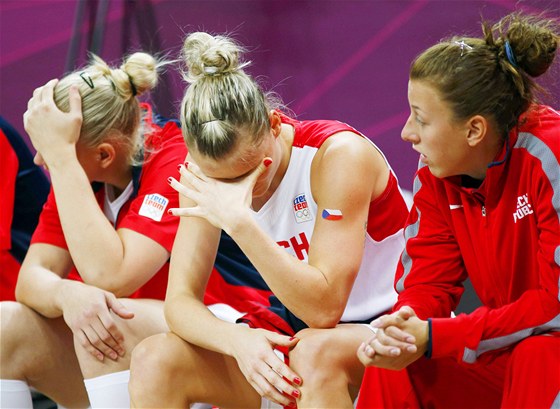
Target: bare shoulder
(353,160)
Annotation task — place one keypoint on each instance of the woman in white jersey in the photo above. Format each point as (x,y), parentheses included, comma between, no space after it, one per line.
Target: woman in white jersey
(316,209)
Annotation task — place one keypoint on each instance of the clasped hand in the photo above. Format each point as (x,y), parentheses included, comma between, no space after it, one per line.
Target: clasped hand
(401,339)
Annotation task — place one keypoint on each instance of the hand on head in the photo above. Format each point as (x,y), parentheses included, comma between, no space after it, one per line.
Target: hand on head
(53,132)
(401,338)
(220,202)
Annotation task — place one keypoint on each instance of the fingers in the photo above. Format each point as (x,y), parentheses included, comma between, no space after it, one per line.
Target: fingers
(75,100)
(406,312)
(278,364)
(366,354)
(95,345)
(84,342)
(259,170)
(400,335)
(267,390)
(117,307)
(394,319)
(393,337)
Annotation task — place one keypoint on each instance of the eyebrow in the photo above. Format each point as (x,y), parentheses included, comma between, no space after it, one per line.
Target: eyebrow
(416,108)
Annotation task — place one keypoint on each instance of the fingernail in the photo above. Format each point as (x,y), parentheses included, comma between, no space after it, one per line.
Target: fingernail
(295,394)
(169,211)
(267,162)
(395,351)
(297,381)
(292,338)
(179,167)
(187,165)
(375,324)
(411,348)
(113,356)
(169,180)
(100,357)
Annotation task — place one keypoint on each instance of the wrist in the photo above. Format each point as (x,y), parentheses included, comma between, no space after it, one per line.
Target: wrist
(61,158)
(237,223)
(65,290)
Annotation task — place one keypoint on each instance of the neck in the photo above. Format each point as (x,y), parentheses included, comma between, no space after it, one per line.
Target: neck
(284,146)
(487,154)
(119,175)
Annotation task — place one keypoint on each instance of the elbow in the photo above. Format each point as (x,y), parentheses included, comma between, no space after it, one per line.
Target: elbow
(168,314)
(120,288)
(325,318)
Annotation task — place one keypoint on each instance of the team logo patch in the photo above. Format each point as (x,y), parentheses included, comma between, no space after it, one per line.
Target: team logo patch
(301,209)
(332,214)
(153,206)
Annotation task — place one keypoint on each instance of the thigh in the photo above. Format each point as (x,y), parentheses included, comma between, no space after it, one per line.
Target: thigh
(40,351)
(443,382)
(148,320)
(192,373)
(533,373)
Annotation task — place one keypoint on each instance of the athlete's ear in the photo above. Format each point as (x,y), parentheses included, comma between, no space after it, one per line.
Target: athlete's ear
(477,128)
(275,122)
(106,154)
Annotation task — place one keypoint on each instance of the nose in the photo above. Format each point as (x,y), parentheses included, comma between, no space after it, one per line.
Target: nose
(408,133)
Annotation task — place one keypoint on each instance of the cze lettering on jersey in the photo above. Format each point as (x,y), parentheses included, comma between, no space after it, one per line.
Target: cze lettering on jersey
(298,244)
(523,208)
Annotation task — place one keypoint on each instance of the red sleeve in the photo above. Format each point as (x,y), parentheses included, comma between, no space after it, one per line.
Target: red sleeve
(431,270)
(537,310)
(147,213)
(8,170)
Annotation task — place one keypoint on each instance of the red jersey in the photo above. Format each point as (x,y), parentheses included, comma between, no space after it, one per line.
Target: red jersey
(145,211)
(504,235)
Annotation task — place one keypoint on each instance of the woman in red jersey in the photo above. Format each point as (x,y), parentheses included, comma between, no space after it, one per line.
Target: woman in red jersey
(106,220)
(487,207)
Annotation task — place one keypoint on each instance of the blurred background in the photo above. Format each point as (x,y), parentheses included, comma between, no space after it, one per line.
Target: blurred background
(328,59)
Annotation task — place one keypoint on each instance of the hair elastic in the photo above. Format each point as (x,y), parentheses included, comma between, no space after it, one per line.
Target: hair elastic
(132,86)
(510,55)
(210,120)
(210,70)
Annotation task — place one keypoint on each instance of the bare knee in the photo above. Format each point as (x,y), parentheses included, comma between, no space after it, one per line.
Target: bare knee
(312,354)
(153,365)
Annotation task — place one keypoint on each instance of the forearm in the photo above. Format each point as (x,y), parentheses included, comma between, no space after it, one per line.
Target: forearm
(96,249)
(301,287)
(191,320)
(467,337)
(42,290)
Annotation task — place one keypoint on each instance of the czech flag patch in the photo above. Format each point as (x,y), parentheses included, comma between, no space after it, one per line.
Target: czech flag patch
(332,214)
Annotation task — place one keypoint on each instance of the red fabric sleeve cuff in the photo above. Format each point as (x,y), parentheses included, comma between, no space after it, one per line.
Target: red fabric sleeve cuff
(448,339)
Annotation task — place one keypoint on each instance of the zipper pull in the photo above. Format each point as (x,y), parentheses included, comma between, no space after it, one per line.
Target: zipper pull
(483,211)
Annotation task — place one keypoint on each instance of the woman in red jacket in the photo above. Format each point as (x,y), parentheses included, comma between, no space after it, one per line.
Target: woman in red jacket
(487,207)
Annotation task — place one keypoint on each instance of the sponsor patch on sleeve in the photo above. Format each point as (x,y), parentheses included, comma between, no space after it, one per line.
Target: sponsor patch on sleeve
(153,206)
